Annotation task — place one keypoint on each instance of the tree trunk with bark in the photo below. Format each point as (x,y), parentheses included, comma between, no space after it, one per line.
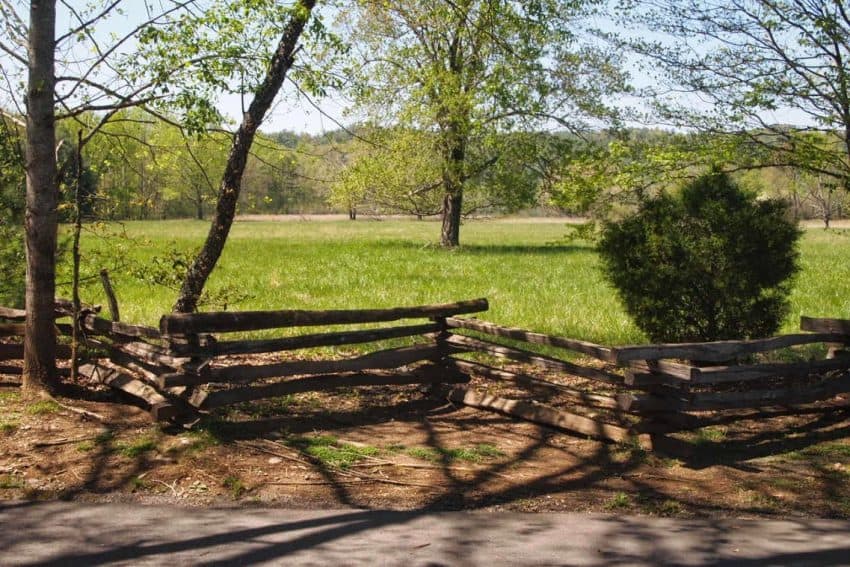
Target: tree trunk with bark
(199,204)
(231,182)
(450,231)
(453,181)
(41,201)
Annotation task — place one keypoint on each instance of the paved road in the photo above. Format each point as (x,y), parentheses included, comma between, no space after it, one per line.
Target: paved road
(67,533)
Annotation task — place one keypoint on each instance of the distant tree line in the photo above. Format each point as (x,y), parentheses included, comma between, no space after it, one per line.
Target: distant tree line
(139,168)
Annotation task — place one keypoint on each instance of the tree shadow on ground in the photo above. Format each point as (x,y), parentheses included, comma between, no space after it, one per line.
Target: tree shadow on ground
(484,488)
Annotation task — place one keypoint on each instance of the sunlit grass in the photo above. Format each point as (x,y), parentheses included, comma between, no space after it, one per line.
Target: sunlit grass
(532,277)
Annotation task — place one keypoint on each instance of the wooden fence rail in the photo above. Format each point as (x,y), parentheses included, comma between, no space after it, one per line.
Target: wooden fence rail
(228,322)
(606,392)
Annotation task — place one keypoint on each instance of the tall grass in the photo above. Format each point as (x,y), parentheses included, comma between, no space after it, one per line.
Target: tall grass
(532,277)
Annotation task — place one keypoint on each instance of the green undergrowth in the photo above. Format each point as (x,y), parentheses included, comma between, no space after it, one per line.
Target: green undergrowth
(331,452)
(101,440)
(708,435)
(43,407)
(831,452)
(136,447)
(10,481)
(476,454)
(234,485)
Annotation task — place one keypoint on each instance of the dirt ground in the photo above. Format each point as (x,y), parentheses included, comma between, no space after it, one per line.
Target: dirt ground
(403,448)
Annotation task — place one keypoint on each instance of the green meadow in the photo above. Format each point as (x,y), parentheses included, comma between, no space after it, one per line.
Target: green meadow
(533,277)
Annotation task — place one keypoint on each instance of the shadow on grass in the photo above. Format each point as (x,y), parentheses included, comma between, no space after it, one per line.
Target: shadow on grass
(541,250)
(496,249)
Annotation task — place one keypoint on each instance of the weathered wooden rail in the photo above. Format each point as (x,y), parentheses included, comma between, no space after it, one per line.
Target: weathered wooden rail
(182,367)
(12,334)
(618,392)
(191,363)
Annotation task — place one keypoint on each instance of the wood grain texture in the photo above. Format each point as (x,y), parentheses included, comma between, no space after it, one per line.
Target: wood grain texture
(584,347)
(226,322)
(538,413)
(718,351)
(429,374)
(214,348)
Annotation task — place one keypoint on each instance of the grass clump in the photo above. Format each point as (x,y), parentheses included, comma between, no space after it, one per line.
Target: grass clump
(136,448)
(709,435)
(234,485)
(273,407)
(8,427)
(10,482)
(476,454)
(207,434)
(9,396)
(620,501)
(102,438)
(834,450)
(138,483)
(43,407)
(330,452)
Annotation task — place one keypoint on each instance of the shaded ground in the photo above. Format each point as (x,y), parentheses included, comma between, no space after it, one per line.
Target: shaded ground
(403,449)
(64,533)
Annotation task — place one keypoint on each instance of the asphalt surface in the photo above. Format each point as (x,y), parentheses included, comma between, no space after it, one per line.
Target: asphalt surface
(70,533)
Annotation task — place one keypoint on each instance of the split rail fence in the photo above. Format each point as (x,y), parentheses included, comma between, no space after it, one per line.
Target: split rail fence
(191,363)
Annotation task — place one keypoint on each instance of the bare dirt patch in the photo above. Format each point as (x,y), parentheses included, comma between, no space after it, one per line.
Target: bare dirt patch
(402,448)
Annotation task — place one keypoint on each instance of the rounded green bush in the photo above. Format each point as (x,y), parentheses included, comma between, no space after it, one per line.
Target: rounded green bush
(712,263)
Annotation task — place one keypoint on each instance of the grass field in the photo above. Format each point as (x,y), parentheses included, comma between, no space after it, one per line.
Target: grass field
(531,275)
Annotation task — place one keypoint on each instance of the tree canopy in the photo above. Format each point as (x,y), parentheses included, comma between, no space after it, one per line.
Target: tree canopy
(467,72)
(773,72)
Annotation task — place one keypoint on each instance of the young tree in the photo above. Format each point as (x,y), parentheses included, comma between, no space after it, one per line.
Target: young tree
(468,71)
(774,72)
(231,180)
(398,174)
(177,59)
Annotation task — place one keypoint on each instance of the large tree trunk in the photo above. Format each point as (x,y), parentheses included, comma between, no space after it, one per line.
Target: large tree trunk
(231,182)
(42,195)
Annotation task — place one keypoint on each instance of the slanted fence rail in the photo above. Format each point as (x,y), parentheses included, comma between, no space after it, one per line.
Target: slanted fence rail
(192,363)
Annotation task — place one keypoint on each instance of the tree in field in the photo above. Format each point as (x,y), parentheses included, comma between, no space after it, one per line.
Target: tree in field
(604,174)
(466,72)
(773,72)
(270,182)
(407,186)
(401,172)
(827,199)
